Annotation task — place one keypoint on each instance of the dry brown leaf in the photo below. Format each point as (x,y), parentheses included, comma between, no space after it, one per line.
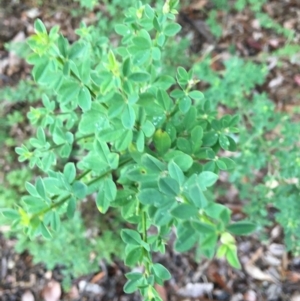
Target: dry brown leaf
(161,291)
(277,81)
(257,273)
(198,5)
(98,277)
(52,291)
(293,276)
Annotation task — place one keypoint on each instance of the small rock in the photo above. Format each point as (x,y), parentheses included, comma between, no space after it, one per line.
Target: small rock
(250,296)
(277,249)
(94,288)
(296,297)
(195,290)
(52,291)
(74,293)
(27,296)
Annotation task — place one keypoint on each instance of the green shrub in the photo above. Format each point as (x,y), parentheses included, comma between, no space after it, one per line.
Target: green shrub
(120,128)
(267,162)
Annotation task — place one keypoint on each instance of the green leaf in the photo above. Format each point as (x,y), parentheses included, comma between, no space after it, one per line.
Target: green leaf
(112,62)
(31,189)
(134,276)
(68,91)
(142,43)
(134,256)
(183,160)
(197,95)
(102,201)
(177,93)
(232,258)
(161,272)
(70,172)
(184,211)
(168,186)
(84,99)
(184,145)
(230,164)
(203,228)
(197,196)
(10,214)
(150,196)
(148,128)
(196,138)
(42,73)
(123,142)
(224,142)
(186,239)
(45,231)
(131,286)
(55,221)
(172,29)
(241,228)
(131,237)
(78,49)
(221,165)
(210,242)
(207,179)
(79,189)
(140,142)
(128,116)
(107,193)
(162,141)
(139,77)
(41,135)
(122,29)
(182,74)
(126,67)
(164,100)
(185,104)
(175,172)
(40,188)
(152,164)
(71,207)
(39,26)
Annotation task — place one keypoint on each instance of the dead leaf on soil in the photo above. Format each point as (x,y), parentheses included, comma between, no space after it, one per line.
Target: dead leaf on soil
(277,81)
(52,291)
(98,277)
(257,273)
(161,291)
(293,276)
(198,5)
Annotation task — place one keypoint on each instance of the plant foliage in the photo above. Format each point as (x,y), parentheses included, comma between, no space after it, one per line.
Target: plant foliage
(119,128)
